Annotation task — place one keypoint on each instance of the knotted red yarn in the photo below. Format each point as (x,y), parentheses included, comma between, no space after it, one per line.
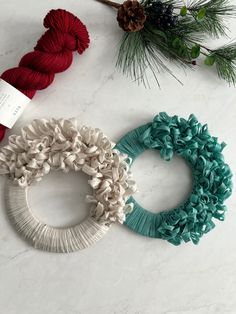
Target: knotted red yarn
(52,54)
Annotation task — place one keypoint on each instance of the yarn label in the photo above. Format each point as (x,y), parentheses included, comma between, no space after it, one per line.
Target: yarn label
(12,104)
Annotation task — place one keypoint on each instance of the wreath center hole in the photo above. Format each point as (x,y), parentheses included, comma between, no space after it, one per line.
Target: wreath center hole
(59,199)
(162,185)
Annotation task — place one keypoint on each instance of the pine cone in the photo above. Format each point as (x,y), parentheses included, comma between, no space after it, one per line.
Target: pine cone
(131,16)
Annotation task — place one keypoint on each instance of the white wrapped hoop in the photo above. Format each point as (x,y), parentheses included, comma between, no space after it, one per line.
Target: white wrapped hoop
(45,237)
(47,145)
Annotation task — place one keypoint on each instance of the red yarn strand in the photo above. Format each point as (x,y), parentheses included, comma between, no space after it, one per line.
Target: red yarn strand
(52,54)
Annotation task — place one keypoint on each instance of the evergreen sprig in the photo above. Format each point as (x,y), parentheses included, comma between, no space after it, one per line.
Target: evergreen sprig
(224,59)
(211,15)
(152,48)
(156,43)
(144,50)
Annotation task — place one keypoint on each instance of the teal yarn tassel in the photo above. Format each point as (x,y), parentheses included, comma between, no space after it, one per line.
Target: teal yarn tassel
(212,178)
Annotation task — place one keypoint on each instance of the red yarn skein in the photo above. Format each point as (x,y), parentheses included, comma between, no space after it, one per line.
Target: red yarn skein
(52,54)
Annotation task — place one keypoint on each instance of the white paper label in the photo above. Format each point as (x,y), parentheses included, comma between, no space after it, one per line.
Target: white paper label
(12,104)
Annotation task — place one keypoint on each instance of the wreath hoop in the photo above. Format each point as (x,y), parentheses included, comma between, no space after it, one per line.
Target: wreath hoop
(211,175)
(47,145)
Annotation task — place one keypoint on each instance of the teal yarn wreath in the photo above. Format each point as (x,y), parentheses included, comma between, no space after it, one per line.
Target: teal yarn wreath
(212,178)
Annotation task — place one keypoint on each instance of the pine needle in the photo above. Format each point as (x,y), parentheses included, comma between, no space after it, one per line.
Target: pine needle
(216,11)
(148,49)
(225,61)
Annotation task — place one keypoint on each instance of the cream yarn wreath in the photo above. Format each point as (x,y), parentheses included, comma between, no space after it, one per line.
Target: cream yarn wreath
(47,145)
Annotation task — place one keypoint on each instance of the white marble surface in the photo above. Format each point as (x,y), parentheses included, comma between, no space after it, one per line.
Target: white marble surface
(124,273)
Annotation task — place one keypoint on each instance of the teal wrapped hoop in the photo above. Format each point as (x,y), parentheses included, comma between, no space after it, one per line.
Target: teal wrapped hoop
(212,178)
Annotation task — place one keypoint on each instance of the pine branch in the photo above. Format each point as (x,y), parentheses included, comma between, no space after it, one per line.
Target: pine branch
(169,46)
(209,15)
(214,13)
(188,29)
(217,7)
(151,48)
(224,59)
